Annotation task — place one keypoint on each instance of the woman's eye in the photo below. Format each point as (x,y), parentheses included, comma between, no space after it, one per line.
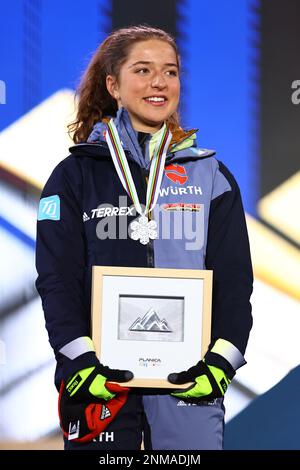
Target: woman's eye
(173,73)
(141,71)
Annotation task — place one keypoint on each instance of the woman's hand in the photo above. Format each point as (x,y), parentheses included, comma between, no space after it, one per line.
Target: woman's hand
(210,382)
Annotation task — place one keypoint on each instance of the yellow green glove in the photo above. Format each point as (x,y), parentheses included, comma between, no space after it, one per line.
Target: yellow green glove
(209,382)
(85,383)
(88,382)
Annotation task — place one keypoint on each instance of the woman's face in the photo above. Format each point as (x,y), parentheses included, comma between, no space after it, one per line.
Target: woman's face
(148,85)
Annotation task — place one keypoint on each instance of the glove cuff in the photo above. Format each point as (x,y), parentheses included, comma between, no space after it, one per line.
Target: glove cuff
(77,347)
(225,355)
(216,360)
(71,367)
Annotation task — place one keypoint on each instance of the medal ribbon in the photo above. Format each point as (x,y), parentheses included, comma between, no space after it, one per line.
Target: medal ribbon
(156,167)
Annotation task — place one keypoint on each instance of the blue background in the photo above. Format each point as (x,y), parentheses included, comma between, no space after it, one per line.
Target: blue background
(50,45)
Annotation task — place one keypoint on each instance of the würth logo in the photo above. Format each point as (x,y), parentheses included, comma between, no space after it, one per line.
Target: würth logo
(176,173)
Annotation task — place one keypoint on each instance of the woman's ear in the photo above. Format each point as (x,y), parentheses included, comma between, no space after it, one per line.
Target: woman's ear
(112,87)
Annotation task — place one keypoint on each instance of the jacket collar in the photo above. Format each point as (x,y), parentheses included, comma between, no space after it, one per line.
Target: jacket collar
(185,141)
(125,129)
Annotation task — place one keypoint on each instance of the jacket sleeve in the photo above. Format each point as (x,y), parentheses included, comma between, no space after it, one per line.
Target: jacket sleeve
(228,255)
(60,256)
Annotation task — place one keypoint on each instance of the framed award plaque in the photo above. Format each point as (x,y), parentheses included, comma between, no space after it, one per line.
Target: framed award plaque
(151,321)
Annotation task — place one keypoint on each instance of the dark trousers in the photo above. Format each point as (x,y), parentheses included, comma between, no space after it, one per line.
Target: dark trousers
(163,422)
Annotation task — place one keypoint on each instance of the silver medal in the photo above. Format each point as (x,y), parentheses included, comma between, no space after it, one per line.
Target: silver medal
(143,230)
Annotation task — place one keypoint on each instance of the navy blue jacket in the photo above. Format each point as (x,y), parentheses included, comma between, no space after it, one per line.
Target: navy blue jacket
(82,200)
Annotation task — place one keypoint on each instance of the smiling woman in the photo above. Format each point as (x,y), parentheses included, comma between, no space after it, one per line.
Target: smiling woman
(137,68)
(148,84)
(134,166)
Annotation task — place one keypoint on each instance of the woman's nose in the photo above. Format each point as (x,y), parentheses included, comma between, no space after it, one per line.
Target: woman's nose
(158,81)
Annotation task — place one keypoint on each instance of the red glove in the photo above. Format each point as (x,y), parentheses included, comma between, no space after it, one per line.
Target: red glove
(82,422)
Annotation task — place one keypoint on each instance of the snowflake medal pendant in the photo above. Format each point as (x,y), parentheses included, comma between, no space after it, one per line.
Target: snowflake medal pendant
(143,229)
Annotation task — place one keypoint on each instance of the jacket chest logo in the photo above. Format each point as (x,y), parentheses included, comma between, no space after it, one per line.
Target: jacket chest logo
(176,173)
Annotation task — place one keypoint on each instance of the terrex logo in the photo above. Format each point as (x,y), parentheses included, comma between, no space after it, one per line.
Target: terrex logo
(110,211)
(176,173)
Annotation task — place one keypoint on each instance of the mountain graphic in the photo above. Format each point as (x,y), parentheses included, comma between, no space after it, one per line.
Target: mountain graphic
(150,322)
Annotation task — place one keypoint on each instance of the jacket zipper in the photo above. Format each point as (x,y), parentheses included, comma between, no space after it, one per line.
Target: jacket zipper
(150,247)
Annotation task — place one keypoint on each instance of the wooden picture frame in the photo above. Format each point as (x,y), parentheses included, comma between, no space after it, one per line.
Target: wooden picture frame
(152,321)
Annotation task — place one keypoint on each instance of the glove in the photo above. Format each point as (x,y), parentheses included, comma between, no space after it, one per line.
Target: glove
(90,382)
(82,422)
(88,403)
(210,382)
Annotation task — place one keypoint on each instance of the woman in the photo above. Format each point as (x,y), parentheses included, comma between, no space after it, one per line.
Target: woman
(127,118)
